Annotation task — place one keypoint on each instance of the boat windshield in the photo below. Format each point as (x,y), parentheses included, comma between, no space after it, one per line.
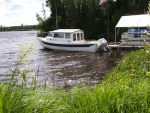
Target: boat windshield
(49,34)
(59,35)
(78,36)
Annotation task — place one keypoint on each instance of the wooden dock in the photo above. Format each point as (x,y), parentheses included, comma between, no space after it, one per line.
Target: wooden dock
(125,47)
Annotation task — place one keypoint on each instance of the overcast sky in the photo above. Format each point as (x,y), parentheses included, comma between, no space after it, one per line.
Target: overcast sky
(17,12)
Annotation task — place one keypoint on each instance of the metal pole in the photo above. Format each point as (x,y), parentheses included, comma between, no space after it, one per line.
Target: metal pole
(56,15)
(115,35)
(108,21)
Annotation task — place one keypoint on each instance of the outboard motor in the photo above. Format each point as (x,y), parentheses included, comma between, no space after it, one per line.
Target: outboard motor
(102,41)
(103,44)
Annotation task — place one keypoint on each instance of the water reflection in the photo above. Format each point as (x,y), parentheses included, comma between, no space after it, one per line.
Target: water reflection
(59,68)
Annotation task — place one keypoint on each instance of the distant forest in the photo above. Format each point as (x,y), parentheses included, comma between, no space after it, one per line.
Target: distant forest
(89,16)
(19,28)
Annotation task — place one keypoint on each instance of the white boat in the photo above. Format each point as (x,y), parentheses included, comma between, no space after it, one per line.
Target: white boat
(70,40)
(137,26)
(135,37)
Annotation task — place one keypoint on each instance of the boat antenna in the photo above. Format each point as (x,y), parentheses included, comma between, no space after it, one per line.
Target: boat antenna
(56,15)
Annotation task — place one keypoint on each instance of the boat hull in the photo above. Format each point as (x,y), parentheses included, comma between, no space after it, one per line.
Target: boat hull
(83,47)
(136,42)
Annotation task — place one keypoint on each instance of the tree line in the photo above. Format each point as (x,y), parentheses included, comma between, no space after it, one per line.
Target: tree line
(89,16)
(19,28)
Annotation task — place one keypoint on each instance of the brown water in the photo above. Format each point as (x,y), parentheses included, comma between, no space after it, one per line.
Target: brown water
(56,67)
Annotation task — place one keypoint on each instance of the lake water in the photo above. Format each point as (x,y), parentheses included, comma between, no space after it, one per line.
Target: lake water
(56,67)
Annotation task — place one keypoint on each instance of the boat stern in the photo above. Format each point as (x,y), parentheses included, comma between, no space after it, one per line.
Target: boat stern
(102,44)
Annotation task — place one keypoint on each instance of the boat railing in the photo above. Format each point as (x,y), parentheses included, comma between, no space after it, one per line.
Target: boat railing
(42,35)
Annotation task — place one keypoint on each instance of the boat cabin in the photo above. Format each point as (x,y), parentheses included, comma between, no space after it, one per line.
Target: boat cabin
(68,35)
(137,24)
(134,33)
(138,32)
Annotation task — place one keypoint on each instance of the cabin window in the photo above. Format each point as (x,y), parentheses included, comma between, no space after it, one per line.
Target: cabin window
(82,36)
(67,35)
(74,37)
(78,36)
(49,34)
(58,35)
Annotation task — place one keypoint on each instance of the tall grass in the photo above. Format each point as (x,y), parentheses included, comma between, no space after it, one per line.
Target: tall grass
(125,90)
(18,95)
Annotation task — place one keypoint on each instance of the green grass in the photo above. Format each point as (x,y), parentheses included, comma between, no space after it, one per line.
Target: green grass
(125,90)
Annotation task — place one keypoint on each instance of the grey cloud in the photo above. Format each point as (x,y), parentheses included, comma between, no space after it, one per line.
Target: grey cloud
(15,7)
(8,1)
(28,2)
(12,15)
